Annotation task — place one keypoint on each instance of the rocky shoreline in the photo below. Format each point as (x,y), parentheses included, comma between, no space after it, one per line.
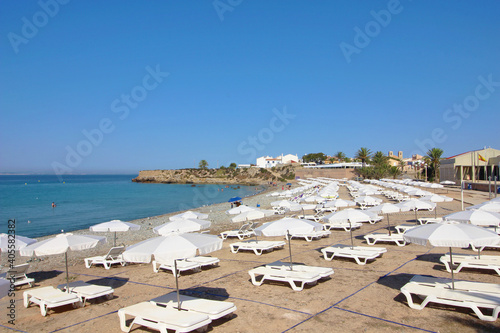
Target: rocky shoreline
(230,176)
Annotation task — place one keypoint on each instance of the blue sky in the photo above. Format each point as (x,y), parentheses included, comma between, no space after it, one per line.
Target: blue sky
(123,86)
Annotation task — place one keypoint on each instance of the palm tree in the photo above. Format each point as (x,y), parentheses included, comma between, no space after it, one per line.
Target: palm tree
(394,172)
(363,154)
(402,165)
(379,158)
(340,156)
(434,156)
(203,164)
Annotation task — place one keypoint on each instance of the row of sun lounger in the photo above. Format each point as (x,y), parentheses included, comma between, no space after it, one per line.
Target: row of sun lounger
(361,254)
(257,246)
(488,262)
(397,238)
(296,275)
(79,292)
(163,313)
(195,263)
(482,298)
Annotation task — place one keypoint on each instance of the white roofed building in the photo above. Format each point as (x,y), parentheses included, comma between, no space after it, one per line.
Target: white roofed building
(269,162)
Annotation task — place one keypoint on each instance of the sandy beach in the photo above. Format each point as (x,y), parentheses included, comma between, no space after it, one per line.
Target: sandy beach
(363,298)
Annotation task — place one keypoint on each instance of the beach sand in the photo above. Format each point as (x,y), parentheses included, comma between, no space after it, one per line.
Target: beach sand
(355,299)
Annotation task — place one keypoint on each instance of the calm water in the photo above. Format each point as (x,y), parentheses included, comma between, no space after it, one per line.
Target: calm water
(82,201)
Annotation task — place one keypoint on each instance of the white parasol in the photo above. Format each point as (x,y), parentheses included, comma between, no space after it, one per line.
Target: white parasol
(188,215)
(450,235)
(114,226)
(181,226)
(62,243)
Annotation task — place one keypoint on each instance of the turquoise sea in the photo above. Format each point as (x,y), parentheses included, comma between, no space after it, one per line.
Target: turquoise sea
(85,200)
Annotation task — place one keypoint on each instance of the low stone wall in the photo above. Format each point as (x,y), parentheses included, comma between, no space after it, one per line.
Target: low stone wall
(482,186)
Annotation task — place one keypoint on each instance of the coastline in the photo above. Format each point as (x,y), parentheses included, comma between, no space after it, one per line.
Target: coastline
(220,222)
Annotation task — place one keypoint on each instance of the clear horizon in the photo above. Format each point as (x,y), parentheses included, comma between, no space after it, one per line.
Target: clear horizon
(123,86)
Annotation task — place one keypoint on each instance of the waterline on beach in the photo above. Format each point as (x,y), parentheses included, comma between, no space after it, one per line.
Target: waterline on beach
(82,201)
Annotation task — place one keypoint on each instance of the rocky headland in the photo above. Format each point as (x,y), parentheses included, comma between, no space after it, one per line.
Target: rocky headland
(244,176)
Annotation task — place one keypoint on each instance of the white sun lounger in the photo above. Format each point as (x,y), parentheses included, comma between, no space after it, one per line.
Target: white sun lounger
(213,309)
(311,235)
(86,291)
(203,261)
(425,220)
(315,218)
(162,318)
(241,233)
(114,256)
(17,274)
(496,247)
(471,261)
(49,297)
(341,225)
(401,228)
(296,279)
(182,266)
(446,283)
(372,239)
(475,300)
(324,272)
(359,253)
(258,247)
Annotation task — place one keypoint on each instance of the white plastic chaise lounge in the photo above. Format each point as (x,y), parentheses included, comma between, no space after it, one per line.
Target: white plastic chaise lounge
(17,274)
(471,261)
(372,239)
(474,248)
(114,256)
(476,296)
(49,297)
(258,247)
(310,236)
(324,272)
(341,225)
(401,228)
(315,218)
(182,266)
(446,283)
(86,291)
(243,232)
(425,220)
(296,279)
(359,253)
(162,318)
(203,261)
(213,309)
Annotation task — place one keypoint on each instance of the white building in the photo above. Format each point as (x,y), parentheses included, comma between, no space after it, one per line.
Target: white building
(269,162)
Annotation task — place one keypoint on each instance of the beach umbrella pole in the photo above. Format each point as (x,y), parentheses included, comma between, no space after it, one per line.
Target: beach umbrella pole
(452,268)
(290,248)
(114,242)
(389,224)
(67,275)
(350,231)
(177,285)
